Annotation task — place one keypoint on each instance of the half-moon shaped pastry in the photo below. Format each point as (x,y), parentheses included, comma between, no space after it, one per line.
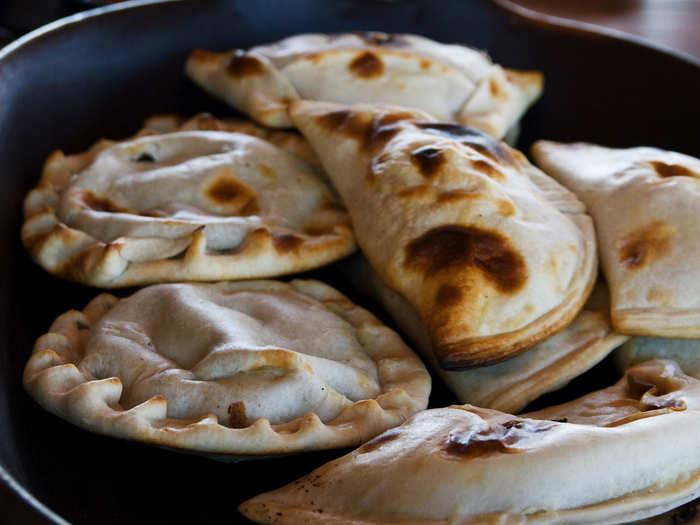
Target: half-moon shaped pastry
(190,205)
(685,352)
(494,255)
(450,82)
(644,202)
(508,386)
(471,465)
(254,367)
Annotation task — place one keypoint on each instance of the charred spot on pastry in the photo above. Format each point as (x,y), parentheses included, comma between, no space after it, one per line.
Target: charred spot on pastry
(455,247)
(416,191)
(372,134)
(448,295)
(428,160)
(237,415)
(511,437)
(487,168)
(375,38)
(366,65)
(243,65)
(671,170)
(228,192)
(144,156)
(382,129)
(286,242)
(643,246)
(97,203)
(377,442)
(472,137)
(345,121)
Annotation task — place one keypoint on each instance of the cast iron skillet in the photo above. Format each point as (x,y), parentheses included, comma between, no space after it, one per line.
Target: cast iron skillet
(101,75)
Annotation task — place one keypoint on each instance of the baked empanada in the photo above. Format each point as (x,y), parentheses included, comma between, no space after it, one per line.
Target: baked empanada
(645,204)
(511,385)
(253,367)
(494,255)
(450,82)
(190,205)
(626,452)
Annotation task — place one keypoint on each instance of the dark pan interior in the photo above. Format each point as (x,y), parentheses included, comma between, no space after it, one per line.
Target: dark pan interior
(100,77)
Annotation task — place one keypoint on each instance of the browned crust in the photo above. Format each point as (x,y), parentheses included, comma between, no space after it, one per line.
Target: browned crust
(74,255)
(462,354)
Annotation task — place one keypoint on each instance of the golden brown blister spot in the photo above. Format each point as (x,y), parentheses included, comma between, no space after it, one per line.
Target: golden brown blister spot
(457,195)
(229,192)
(267,171)
(237,415)
(448,295)
(647,244)
(377,442)
(314,58)
(672,170)
(97,203)
(372,133)
(487,168)
(418,191)
(286,242)
(454,247)
(510,437)
(425,63)
(505,207)
(495,89)
(243,65)
(428,160)
(366,65)
(662,296)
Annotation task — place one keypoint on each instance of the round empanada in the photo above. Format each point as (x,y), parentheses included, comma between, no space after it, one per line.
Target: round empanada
(254,367)
(189,205)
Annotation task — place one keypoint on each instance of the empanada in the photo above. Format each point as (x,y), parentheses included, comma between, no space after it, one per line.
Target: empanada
(511,385)
(251,367)
(450,82)
(645,203)
(189,205)
(627,452)
(494,255)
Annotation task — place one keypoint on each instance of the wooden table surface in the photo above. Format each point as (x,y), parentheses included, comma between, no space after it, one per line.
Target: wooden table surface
(671,23)
(674,24)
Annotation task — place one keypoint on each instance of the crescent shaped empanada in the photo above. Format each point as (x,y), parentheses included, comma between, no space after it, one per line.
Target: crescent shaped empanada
(450,82)
(201,203)
(253,367)
(494,255)
(626,453)
(511,385)
(644,202)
